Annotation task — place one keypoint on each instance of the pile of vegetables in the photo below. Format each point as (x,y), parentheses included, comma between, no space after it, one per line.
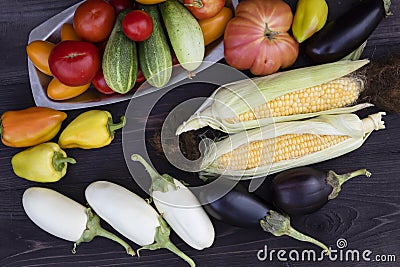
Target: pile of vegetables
(126,43)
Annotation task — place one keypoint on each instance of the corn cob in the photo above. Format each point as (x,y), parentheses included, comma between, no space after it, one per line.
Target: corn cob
(285,96)
(285,145)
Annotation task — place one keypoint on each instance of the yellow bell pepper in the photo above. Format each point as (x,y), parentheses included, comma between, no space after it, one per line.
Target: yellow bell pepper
(91,129)
(310,17)
(43,163)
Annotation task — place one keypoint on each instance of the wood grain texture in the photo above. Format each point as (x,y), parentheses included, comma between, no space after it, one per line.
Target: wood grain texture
(366,213)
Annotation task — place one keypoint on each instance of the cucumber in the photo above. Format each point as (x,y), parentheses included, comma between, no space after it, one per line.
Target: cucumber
(154,54)
(185,34)
(120,65)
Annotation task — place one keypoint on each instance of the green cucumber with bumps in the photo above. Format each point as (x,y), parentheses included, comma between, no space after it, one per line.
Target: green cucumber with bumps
(184,33)
(155,58)
(120,64)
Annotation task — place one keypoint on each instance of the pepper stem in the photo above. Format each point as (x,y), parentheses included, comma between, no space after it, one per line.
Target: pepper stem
(112,127)
(159,182)
(196,3)
(59,161)
(93,229)
(161,240)
(336,180)
(278,225)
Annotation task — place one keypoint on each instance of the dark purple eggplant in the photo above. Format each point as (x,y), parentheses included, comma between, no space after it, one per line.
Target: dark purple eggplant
(305,190)
(345,34)
(239,208)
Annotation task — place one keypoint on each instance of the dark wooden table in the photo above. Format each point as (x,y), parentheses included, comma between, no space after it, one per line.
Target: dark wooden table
(366,214)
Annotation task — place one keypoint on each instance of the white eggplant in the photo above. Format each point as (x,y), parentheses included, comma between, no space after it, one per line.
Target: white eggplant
(64,217)
(131,216)
(180,208)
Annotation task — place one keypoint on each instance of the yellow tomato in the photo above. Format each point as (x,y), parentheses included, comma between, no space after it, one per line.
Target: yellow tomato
(68,33)
(38,52)
(214,27)
(58,91)
(150,2)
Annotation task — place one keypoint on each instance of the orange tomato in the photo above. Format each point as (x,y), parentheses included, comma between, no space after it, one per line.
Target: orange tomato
(214,27)
(68,33)
(59,91)
(38,52)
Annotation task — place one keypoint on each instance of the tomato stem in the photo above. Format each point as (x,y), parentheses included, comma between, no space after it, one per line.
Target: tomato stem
(72,55)
(268,33)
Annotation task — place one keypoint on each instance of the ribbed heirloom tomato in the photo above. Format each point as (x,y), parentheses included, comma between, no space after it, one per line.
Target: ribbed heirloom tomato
(257,37)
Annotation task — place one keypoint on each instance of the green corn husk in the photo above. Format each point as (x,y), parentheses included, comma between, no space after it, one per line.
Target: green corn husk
(349,125)
(235,98)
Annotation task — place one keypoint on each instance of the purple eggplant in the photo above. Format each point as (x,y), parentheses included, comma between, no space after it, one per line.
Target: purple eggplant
(342,36)
(305,190)
(239,208)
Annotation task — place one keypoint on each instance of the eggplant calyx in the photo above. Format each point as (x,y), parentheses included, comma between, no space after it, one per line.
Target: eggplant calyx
(387,4)
(94,229)
(161,240)
(278,225)
(159,182)
(337,180)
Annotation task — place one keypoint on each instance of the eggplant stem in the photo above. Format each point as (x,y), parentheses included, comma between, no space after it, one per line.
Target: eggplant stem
(59,161)
(94,229)
(159,182)
(278,225)
(161,240)
(112,127)
(337,180)
(387,4)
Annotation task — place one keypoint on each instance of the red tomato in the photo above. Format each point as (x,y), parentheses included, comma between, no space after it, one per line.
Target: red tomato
(74,63)
(100,83)
(140,76)
(120,5)
(137,25)
(93,20)
(101,46)
(257,37)
(204,9)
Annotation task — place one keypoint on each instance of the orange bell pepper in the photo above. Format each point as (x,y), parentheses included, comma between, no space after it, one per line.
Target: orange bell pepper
(38,52)
(31,126)
(56,90)
(214,27)
(68,33)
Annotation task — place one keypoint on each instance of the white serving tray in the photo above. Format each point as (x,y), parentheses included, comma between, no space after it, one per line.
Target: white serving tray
(50,31)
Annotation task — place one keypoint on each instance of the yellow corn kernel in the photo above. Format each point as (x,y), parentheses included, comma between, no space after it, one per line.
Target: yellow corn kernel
(272,150)
(334,94)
